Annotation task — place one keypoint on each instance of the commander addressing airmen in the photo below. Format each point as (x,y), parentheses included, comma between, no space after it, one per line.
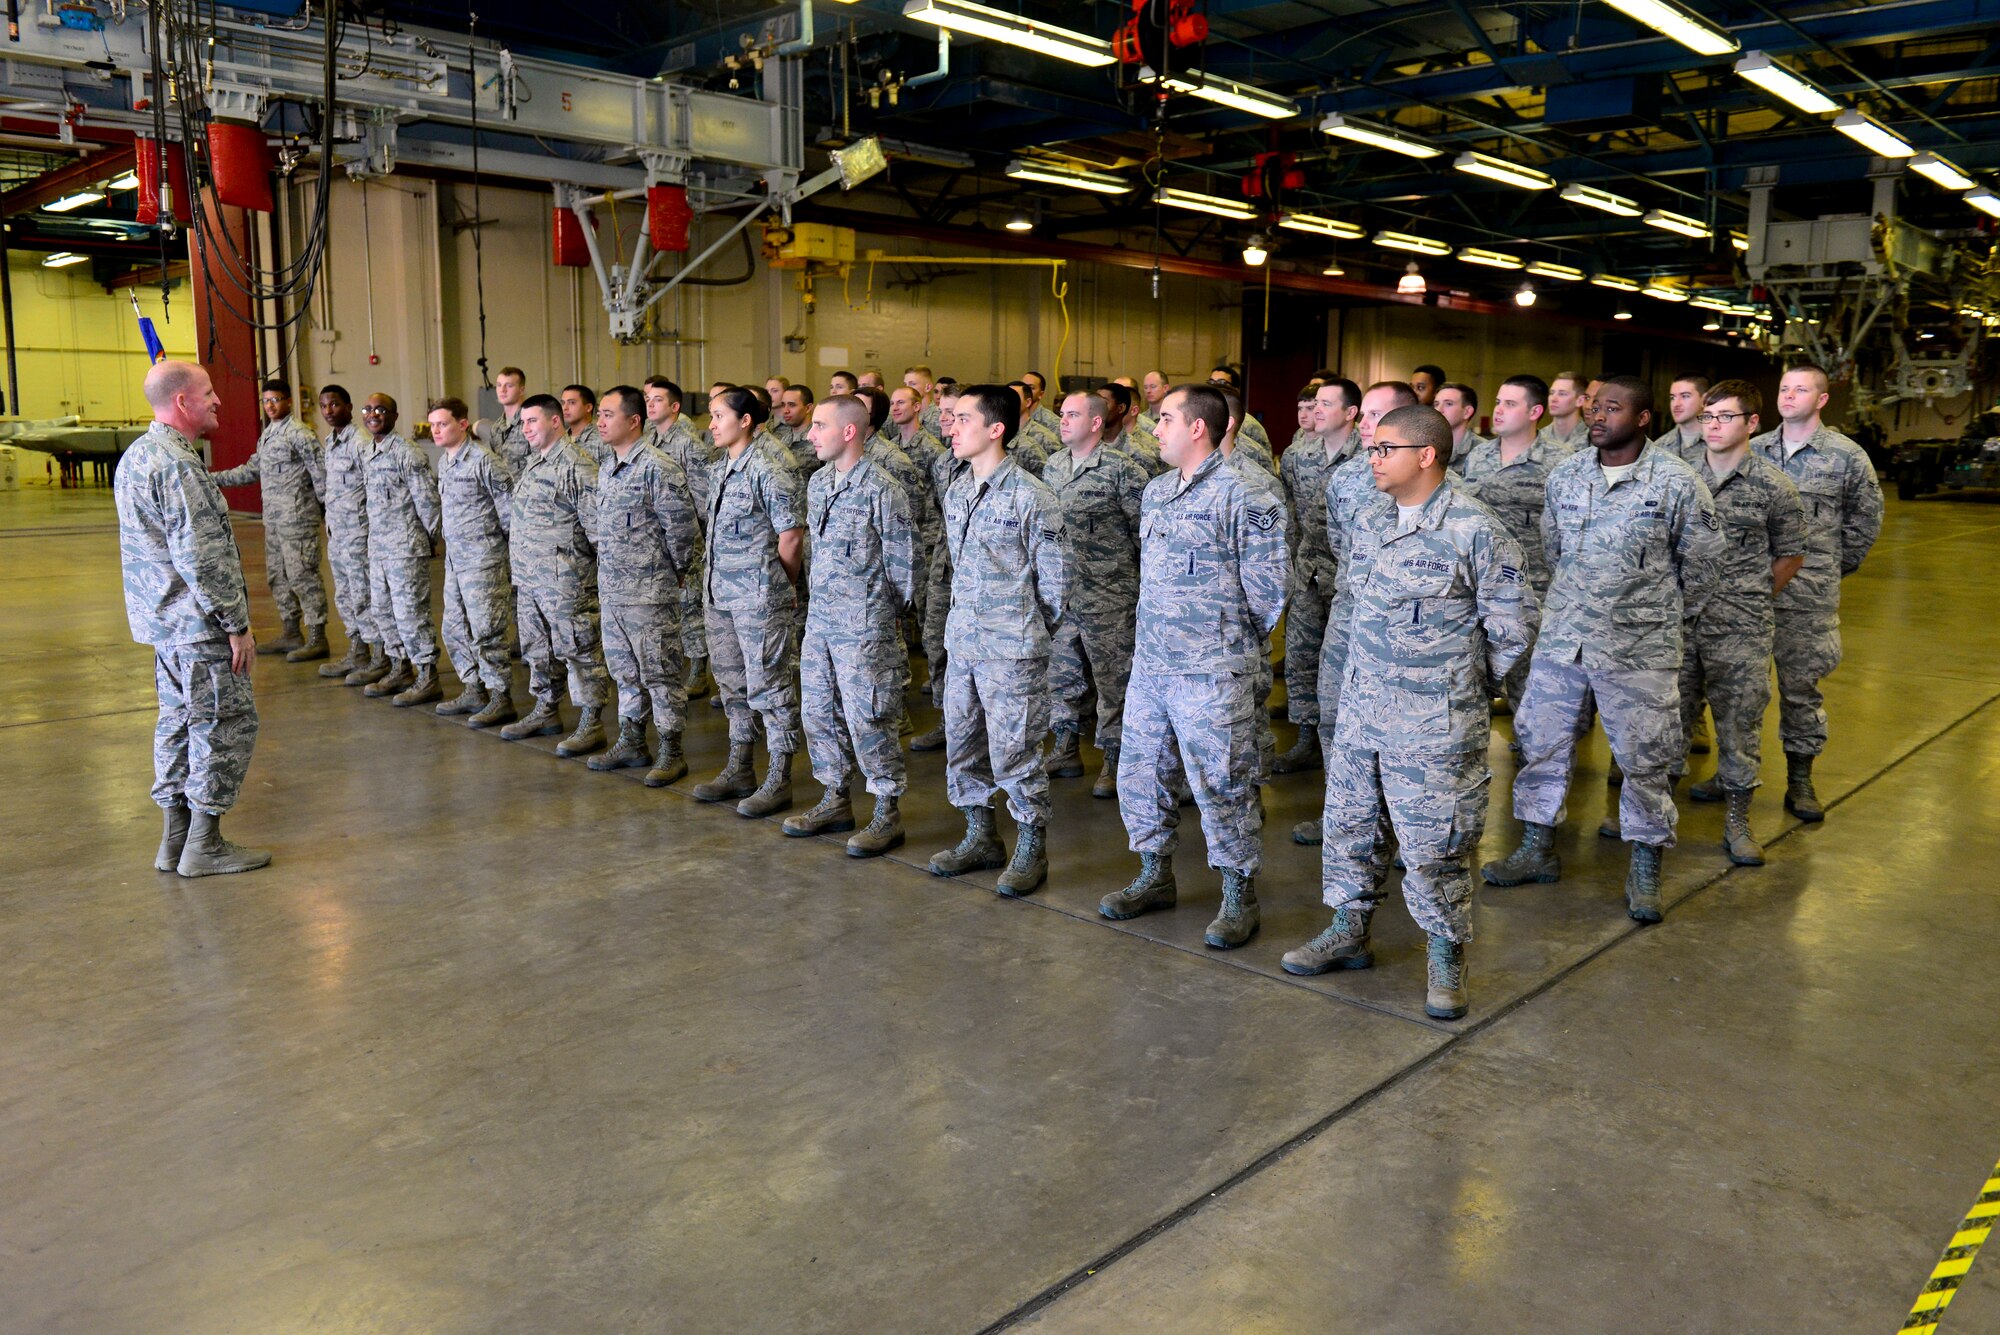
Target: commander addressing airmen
(941,666)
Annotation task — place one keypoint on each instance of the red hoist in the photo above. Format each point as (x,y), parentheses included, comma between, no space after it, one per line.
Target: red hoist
(1156,25)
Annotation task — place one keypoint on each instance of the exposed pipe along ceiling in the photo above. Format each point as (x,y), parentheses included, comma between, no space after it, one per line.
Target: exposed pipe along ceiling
(1814,174)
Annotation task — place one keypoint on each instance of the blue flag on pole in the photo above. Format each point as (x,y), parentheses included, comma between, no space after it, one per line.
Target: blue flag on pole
(154,348)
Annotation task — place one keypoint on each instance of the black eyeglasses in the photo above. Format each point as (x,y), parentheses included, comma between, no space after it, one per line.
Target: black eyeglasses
(1724,418)
(1382,451)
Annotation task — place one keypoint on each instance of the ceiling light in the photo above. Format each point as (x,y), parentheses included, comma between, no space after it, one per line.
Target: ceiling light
(1076,178)
(1690,29)
(1318,226)
(1662,293)
(1739,241)
(1228,93)
(129,181)
(1256,250)
(62,258)
(1602,199)
(1332,269)
(1503,171)
(1526,296)
(1492,259)
(1423,245)
(1741,308)
(1784,85)
(1411,284)
(1712,323)
(1624,312)
(1614,281)
(1707,304)
(1942,171)
(1678,222)
(1983,199)
(1548,269)
(1872,135)
(1042,38)
(75,201)
(1361,132)
(1200,203)
(1020,222)
(1763,317)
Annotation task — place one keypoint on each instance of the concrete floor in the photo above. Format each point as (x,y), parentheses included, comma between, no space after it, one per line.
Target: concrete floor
(498,1044)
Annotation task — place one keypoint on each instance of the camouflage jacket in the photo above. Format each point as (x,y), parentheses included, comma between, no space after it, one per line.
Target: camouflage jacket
(1009,564)
(918,490)
(697,460)
(1141,445)
(552,537)
(1351,500)
(794,444)
(591,445)
(403,516)
(1517,492)
(1212,572)
(510,443)
(1461,448)
(1576,438)
(866,568)
(476,491)
(348,451)
(1763,521)
(756,497)
(1253,431)
(183,575)
(1629,561)
(1687,443)
(1100,497)
(1303,470)
(1843,503)
(1442,612)
(647,533)
(1252,453)
(289,468)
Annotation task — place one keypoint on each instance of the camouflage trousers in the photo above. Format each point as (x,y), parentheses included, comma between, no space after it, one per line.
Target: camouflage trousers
(694,625)
(399,596)
(475,626)
(851,697)
(1735,679)
(1089,651)
(347,553)
(1435,803)
(1806,648)
(751,653)
(557,629)
(1262,681)
(1305,634)
(1641,708)
(1332,666)
(291,567)
(996,712)
(207,727)
(642,649)
(1203,728)
(937,610)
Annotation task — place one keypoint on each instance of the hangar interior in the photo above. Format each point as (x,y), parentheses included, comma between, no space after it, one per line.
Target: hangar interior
(497,1043)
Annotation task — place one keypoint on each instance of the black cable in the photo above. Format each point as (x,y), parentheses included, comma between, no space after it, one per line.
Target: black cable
(478,256)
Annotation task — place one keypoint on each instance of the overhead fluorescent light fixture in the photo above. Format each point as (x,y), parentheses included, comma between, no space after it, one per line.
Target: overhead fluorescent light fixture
(1411,284)
(1623,313)
(1076,178)
(1872,135)
(1197,202)
(1548,269)
(1659,292)
(1784,85)
(1332,269)
(1079,48)
(1739,241)
(1590,197)
(1526,296)
(1318,226)
(1423,245)
(1361,132)
(1942,171)
(129,181)
(75,201)
(1503,171)
(62,259)
(1698,34)
(1492,259)
(1228,93)
(1020,222)
(1680,223)
(1256,250)
(1612,280)
(1983,199)
(1708,304)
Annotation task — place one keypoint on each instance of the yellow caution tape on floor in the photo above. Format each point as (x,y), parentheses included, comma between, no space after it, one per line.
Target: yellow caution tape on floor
(1958,1256)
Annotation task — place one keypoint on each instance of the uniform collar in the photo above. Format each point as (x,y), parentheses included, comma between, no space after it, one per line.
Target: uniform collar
(166,435)
(1430,517)
(1215,460)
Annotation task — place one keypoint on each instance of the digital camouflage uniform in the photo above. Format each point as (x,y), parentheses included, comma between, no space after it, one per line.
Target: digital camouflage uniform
(348,451)
(1031,450)
(945,469)
(1009,588)
(1351,498)
(289,468)
(552,551)
(1141,445)
(184,595)
(510,443)
(1572,440)
(1303,470)
(1266,488)
(1253,431)
(1516,492)
(1442,611)
(853,669)
(403,523)
(1728,655)
(926,450)
(1843,506)
(1212,580)
(476,492)
(1688,443)
(1246,450)
(1100,498)
(591,445)
(751,605)
(1630,562)
(679,443)
(647,537)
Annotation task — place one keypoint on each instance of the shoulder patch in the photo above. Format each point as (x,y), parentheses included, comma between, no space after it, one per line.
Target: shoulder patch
(1710,522)
(1263,519)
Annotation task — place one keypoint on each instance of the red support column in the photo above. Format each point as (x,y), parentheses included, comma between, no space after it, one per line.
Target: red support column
(226,344)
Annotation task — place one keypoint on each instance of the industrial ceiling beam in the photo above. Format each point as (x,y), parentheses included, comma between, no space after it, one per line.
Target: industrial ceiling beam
(54,184)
